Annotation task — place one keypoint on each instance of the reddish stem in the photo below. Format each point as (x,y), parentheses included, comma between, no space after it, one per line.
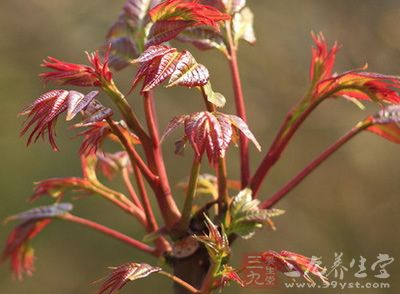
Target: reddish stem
(109,232)
(126,110)
(166,202)
(278,146)
(152,226)
(181,282)
(113,196)
(240,109)
(313,165)
(133,155)
(131,190)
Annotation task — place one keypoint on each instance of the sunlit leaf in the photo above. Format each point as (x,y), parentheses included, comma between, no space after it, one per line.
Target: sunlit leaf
(163,31)
(203,38)
(199,14)
(233,6)
(210,132)
(78,102)
(242,126)
(188,72)
(159,63)
(214,97)
(243,26)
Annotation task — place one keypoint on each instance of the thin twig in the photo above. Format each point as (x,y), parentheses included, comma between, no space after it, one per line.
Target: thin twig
(313,165)
(129,187)
(181,282)
(109,232)
(240,107)
(166,202)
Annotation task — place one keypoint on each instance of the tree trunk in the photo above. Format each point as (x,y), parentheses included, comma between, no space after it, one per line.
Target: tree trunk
(192,269)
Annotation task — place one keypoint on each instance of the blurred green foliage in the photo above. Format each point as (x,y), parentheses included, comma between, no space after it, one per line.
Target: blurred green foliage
(350,205)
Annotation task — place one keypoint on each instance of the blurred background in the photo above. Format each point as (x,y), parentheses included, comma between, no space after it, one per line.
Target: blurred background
(350,205)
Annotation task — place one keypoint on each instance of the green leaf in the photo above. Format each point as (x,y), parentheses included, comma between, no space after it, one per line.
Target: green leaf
(246,216)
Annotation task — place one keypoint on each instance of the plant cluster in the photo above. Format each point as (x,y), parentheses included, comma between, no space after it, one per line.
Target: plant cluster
(203,232)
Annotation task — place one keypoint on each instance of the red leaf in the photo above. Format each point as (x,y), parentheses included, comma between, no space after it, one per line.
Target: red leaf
(203,38)
(173,124)
(43,113)
(230,274)
(210,132)
(323,58)
(17,246)
(161,71)
(187,10)
(159,63)
(125,273)
(165,30)
(286,261)
(188,72)
(55,187)
(122,52)
(154,52)
(242,126)
(389,131)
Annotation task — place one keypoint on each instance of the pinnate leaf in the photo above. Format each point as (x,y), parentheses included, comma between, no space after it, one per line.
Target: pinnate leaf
(210,132)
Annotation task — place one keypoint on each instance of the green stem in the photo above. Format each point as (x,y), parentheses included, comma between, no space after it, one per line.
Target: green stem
(223,197)
(190,194)
(126,110)
(207,286)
